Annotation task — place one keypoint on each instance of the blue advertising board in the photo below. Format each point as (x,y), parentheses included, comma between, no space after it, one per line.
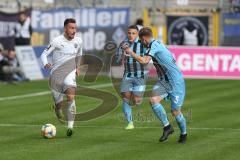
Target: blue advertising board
(231,24)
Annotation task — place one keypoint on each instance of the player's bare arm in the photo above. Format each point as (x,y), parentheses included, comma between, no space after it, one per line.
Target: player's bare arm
(45,54)
(143,60)
(78,64)
(78,60)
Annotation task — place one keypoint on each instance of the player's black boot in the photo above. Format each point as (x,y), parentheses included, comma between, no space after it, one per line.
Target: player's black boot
(182,138)
(69,132)
(166,132)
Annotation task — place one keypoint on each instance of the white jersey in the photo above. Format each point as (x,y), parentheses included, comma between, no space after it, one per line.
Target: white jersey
(62,50)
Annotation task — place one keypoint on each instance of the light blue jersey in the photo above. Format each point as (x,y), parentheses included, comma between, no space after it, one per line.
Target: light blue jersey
(133,68)
(164,62)
(171,82)
(134,77)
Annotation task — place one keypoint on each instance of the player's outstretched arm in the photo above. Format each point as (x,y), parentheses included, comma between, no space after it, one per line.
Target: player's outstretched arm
(119,54)
(140,59)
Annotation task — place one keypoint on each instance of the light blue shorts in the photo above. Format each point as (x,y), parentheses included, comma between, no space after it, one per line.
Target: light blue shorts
(135,85)
(175,92)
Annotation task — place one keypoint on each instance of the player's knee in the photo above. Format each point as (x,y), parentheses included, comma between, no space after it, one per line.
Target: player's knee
(59,104)
(70,98)
(58,99)
(137,100)
(175,112)
(155,99)
(126,96)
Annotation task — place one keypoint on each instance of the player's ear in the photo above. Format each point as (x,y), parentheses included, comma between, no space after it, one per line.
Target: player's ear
(149,38)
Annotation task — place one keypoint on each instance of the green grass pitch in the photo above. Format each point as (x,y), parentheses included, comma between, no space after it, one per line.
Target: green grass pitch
(212,108)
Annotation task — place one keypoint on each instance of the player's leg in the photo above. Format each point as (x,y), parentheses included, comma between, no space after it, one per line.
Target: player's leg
(135,96)
(139,86)
(58,110)
(159,93)
(181,121)
(177,99)
(70,91)
(137,100)
(71,108)
(126,92)
(127,109)
(58,100)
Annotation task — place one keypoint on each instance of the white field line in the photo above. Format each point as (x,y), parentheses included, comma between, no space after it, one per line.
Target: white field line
(25,95)
(48,92)
(120,127)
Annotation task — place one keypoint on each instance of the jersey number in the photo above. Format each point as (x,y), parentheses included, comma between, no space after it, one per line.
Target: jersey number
(176,99)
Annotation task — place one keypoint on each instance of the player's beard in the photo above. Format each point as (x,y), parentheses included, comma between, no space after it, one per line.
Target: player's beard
(72,36)
(132,41)
(145,45)
(69,36)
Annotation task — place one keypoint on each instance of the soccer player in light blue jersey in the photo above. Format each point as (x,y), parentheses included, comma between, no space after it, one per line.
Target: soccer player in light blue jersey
(170,83)
(135,74)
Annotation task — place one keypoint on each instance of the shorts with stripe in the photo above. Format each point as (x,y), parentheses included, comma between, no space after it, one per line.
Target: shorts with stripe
(175,92)
(69,82)
(135,85)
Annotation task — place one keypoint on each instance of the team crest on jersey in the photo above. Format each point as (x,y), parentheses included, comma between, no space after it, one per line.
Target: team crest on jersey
(75,45)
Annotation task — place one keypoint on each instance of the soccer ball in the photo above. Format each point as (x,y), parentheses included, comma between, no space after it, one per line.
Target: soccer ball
(48,131)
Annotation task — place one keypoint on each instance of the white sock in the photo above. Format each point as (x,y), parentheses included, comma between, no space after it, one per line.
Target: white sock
(71,113)
(70,124)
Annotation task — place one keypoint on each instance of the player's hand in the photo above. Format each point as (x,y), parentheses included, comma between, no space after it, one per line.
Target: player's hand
(124,46)
(48,66)
(128,51)
(78,71)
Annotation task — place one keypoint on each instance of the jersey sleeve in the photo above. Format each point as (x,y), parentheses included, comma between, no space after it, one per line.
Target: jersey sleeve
(119,54)
(47,51)
(153,49)
(80,47)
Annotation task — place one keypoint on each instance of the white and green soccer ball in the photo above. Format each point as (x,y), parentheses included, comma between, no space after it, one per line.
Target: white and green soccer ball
(48,131)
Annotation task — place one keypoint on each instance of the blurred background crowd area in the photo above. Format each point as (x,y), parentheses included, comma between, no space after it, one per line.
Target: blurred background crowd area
(153,12)
(174,22)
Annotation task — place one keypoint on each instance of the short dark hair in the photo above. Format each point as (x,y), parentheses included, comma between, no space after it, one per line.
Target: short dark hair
(133,27)
(69,20)
(145,31)
(139,21)
(23,13)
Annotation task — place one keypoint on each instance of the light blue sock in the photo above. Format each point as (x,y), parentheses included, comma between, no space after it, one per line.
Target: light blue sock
(160,113)
(127,110)
(181,123)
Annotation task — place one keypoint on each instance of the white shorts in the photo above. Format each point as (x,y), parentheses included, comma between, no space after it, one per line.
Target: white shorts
(69,82)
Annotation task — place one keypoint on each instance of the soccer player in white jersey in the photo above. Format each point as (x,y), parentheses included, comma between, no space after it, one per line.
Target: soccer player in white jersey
(66,51)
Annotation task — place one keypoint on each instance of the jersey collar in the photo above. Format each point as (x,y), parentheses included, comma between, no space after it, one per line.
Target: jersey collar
(149,45)
(66,38)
